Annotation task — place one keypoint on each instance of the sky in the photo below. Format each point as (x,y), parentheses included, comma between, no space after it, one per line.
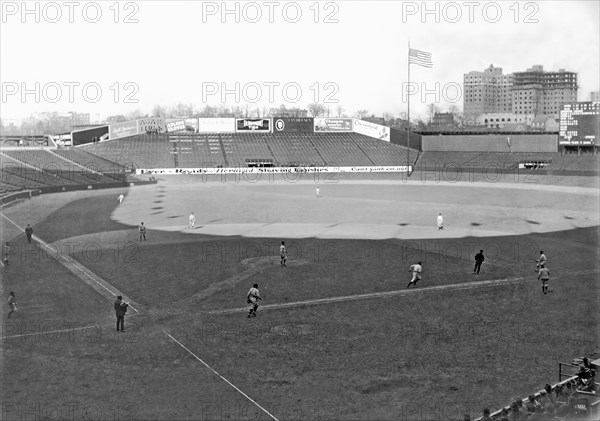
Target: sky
(108,58)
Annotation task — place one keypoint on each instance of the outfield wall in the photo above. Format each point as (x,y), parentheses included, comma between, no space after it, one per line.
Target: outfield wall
(491,143)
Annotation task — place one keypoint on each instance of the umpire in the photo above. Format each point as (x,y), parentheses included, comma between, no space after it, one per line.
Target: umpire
(478,261)
(120,310)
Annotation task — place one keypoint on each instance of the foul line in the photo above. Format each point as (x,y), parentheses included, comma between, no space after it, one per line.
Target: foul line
(71,265)
(387,294)
(223,378)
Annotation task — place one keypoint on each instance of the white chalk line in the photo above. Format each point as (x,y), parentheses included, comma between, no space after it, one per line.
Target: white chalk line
(387,294)
(222,378)
(73,264)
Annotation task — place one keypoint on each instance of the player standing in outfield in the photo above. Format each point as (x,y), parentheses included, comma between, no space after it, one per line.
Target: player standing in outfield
(478,261)
(318,191)
(253,297)
(5,253)
(192,220)
(544,276)
(28,233)
(283,254)
(541,262)
(416,270)
(440,221)
(142,231)
(121,198)
(12,303)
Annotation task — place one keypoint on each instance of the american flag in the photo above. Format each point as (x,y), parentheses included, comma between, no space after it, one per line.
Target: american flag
(419,57)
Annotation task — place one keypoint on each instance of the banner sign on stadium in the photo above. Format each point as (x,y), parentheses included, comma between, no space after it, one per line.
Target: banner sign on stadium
(81,137)
(367,128)
(191,123)
(216,125)
(333,124)
(152,125)
(273,170)
(175,126)
(119,130)
(293,125)
(253,125)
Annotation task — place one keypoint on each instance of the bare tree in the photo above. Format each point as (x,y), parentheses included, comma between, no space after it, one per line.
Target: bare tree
(360,114)
(339,110)
(159,111)
(316,110)
(388,116)
(135,114)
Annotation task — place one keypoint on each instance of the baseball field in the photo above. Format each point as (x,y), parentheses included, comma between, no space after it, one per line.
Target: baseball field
(338,335)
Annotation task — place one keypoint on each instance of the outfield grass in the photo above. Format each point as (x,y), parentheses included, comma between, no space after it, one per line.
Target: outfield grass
(421,356)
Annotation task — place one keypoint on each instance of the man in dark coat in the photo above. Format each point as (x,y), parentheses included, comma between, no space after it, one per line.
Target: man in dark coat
(120,310)
(478,261)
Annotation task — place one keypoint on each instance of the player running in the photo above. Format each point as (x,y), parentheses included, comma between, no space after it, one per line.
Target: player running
(416,270)
(121,198)
(283,254)
(253,297)
(318,192)
(192,221)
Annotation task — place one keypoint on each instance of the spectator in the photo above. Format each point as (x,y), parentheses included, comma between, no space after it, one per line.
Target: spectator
(551,394)
(514,414)
(486,415)
(504,414)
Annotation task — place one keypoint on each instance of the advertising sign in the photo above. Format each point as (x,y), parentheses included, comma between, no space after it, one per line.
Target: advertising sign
(367,128)
(119,130)
(216,125)
(262,125)
(293,125)
(152,125)
(333,124)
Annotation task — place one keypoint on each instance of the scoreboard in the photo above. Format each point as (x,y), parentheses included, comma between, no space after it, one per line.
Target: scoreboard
(579,124)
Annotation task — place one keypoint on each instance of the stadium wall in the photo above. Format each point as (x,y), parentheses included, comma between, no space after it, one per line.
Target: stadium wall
(491,143)
(398,137)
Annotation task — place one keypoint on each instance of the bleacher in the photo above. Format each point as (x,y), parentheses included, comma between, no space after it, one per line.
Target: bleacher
(551,160)
(56,169)
(186,150)
(93,163)
(141,151)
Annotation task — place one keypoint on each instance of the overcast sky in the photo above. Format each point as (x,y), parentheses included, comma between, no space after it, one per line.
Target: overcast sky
(355,53)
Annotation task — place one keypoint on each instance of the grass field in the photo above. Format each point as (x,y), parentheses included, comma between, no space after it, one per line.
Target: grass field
(423,353)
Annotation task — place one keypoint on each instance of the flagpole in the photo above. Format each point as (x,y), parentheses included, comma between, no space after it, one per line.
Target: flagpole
(408,117)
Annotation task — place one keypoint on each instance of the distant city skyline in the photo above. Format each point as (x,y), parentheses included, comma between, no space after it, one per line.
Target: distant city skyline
(194,52)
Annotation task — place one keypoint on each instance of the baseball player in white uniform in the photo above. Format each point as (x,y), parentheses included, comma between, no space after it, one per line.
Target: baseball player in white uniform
(440,221)
(192,220)
(253,297)
(541,262)
(416,270)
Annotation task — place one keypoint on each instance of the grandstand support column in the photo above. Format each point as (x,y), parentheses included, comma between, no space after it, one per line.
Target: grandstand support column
(408,115)
(223,151)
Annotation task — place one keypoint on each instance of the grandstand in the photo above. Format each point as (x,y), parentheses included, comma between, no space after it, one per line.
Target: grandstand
(238,149)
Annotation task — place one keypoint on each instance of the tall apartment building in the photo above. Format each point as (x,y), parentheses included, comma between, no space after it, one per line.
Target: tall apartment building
(487,92)
(537,92)
(532,92)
